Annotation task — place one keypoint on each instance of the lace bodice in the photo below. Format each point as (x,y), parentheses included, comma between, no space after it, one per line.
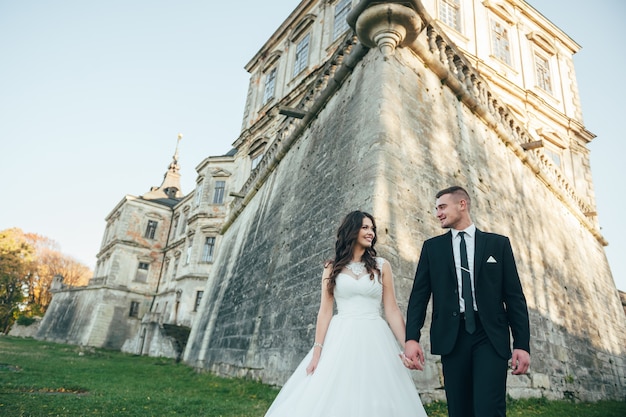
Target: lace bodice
(356,294)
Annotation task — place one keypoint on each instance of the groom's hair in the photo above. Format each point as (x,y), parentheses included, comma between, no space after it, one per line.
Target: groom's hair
(458,192)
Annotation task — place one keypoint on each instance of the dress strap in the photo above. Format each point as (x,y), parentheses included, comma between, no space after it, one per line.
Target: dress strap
(380,262)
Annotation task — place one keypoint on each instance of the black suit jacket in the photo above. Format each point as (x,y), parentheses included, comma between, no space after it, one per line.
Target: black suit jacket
(498,291)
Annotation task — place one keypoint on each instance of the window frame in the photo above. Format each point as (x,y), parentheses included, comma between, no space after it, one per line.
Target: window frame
(255,159)
(166,268)
(301,55)
(269,90)
(141,274)
(199,192)
(174,227)
(182,225)
(175,267)
(540,82)
(554,154)
(134,309)
(342,9)
(219,191)
(208,250)
(445,8)
(151,227)
(199,295)
(497,41)
(188,252)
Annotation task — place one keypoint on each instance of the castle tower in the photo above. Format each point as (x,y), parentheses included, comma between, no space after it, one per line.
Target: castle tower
(107,312)
(482,95)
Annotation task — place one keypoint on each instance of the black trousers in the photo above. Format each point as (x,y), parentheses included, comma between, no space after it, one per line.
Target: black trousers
(475,376)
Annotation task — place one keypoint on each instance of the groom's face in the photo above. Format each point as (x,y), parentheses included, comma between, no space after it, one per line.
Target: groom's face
(448,211)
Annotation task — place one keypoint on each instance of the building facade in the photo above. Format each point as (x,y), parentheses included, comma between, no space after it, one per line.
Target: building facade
(374,106)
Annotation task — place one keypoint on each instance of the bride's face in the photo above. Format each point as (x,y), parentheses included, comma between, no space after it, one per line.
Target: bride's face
(367,233)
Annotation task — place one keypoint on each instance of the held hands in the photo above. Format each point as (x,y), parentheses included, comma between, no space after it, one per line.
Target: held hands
(413,355)
(520,362)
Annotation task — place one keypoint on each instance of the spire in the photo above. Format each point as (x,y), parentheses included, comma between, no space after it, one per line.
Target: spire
(174,164)
(170,187)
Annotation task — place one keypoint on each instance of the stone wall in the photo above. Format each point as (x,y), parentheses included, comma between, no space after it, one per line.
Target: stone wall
(151,340)
(386,142)
(92,316)
(31,330)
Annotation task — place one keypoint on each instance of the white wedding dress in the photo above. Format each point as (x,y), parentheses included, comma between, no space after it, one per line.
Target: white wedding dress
(359,373)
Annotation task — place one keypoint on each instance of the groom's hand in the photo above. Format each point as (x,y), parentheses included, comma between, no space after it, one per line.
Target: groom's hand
(415,355)
(520,362)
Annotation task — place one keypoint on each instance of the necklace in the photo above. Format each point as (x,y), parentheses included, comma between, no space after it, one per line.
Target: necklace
(356,268)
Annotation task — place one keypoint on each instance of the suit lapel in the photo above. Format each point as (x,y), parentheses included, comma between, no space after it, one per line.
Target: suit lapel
(479,250)
(448,254)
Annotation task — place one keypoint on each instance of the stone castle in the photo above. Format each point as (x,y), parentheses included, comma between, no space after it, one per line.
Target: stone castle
(371,105)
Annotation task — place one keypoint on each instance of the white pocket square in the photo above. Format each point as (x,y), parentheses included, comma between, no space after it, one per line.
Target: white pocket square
(491,260)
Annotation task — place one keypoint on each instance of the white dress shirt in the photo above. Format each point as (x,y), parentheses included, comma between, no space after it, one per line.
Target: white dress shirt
(470,236)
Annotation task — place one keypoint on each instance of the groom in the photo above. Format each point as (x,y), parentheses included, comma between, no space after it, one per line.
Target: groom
(477,298)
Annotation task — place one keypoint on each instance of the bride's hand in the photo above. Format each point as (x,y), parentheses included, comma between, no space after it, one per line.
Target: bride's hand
(406,361)
(312,366)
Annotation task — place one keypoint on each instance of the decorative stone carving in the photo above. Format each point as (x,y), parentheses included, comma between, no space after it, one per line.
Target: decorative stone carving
(388,26)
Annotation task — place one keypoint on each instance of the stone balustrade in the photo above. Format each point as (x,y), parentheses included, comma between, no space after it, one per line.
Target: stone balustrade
(455,71)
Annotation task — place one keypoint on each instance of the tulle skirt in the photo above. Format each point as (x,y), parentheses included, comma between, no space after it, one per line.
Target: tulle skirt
(359,375)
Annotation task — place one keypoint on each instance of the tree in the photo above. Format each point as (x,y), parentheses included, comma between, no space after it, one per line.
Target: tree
(28,265)
(49,262)
(16,266)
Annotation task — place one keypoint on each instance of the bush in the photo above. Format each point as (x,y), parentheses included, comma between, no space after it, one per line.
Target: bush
(25,321)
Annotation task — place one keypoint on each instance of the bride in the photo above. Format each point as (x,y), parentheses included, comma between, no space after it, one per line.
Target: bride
(354,368)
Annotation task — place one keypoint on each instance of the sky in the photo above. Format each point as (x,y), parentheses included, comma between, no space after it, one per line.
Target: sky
(94,93)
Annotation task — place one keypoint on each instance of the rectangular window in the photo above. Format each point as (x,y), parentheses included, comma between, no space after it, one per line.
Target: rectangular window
(142,272)
(218,195)
(302,55)
(270,86)
(175,225)
(199,295)
(188,255)
(183,224)
(450,13)
(175,269)
(134,309)
(542,72)
(341,12)
(553,155)
(151,229)
(166,269)
(256,159)
(199,190)
(500,42)
(207,251)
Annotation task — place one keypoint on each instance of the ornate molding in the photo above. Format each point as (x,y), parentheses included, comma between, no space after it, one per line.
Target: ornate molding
(542,42)
(388,26)
(457,72)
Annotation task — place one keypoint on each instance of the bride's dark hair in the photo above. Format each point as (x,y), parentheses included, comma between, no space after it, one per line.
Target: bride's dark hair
(344,247)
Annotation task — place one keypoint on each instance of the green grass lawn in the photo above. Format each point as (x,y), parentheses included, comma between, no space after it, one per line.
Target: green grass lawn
(48,379)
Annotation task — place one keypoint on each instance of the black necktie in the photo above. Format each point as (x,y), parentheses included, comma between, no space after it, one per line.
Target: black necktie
(470,322)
